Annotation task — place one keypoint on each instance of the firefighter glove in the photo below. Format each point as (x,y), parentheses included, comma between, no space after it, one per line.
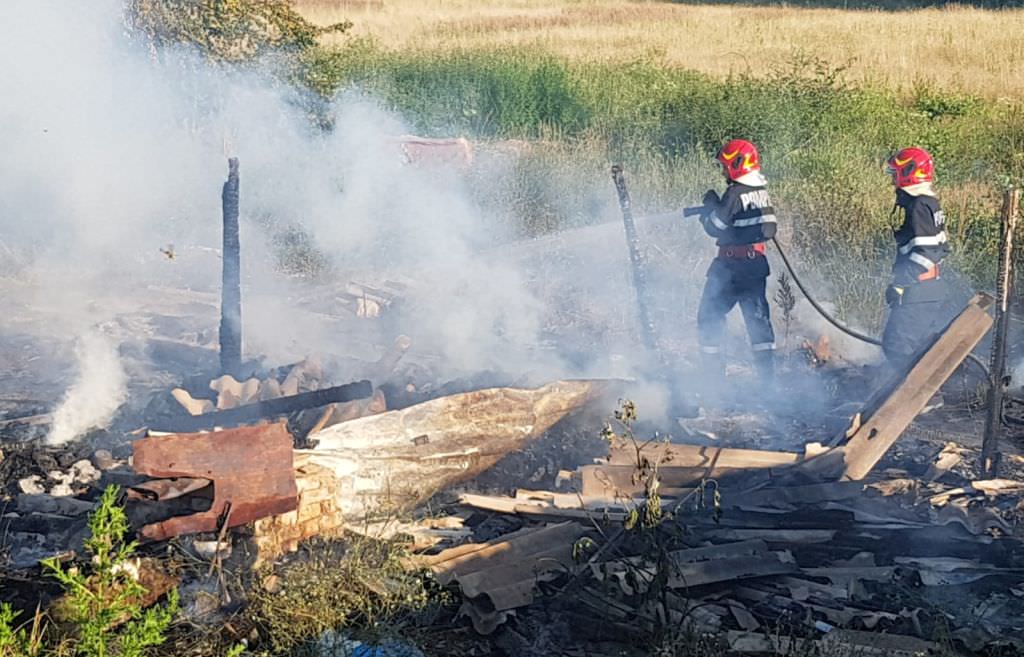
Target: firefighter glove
(710,199)
(893,295)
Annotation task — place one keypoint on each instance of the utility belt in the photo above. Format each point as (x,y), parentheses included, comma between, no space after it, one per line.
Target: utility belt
(742,251)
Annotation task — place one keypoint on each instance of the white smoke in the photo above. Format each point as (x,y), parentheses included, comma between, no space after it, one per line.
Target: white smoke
(99,389)
(111,155)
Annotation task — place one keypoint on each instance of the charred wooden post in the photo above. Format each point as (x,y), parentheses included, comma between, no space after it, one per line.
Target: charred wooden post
(636,260)
(231,284)
(997,364)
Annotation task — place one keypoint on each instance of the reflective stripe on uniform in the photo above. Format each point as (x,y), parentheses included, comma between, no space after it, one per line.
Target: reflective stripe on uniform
(719,224)
(706,349)
(763,346)
(754,221)
(924,240)
(921,260)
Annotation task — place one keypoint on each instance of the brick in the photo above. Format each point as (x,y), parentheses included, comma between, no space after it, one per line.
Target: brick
(311,528)
(307,483)
(288,518)
(263,526)
(266,543)
(308,511)
(329,524)
(316,495)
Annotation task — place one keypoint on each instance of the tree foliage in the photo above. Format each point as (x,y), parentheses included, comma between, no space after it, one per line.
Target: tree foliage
(226,30)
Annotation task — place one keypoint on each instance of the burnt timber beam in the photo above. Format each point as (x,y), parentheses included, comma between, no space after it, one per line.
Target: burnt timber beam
(249,413)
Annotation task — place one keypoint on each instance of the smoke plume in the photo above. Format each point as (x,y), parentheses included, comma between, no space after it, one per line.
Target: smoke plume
(112,155)
(99,389)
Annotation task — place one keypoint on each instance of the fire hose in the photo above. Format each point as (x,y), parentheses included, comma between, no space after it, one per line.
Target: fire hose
(821,311)
(698,210)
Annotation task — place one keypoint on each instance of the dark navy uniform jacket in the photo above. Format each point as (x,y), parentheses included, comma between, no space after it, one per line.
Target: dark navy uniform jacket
(744,215)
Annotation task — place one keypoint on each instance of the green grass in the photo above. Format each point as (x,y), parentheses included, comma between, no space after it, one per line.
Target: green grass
(823,139)
(891,5)
(823,142)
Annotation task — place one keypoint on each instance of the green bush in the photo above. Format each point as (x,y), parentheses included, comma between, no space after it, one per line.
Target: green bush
(101,608)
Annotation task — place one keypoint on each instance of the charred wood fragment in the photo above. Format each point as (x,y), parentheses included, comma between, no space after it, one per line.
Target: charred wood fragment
(248,413)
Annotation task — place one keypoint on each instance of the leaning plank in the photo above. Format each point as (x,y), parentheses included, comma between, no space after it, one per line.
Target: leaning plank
(854,459)
(398,459)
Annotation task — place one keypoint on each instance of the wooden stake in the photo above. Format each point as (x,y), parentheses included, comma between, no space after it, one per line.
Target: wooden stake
(997,364)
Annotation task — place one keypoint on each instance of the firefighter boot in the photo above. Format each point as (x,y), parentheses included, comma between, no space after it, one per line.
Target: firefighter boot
(713,389)
(764,363)
(713,366)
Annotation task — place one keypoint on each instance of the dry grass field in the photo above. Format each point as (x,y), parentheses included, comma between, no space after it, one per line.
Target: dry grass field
(963,48)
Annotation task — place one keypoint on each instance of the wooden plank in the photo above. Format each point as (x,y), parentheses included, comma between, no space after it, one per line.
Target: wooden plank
(617,481)
(877,433)
(680,455)
(600,510)
(804,495)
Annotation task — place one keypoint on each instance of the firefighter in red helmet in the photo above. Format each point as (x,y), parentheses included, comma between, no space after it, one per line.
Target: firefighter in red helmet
(919,296)
(741,220)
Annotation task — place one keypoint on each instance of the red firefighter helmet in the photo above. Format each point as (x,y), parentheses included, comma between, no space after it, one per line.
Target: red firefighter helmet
(911,166)
(739,157)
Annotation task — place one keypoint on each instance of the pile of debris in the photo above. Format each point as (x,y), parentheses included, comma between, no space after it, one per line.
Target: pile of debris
(764,552)
(835,545)
(50,490)
(826,562)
